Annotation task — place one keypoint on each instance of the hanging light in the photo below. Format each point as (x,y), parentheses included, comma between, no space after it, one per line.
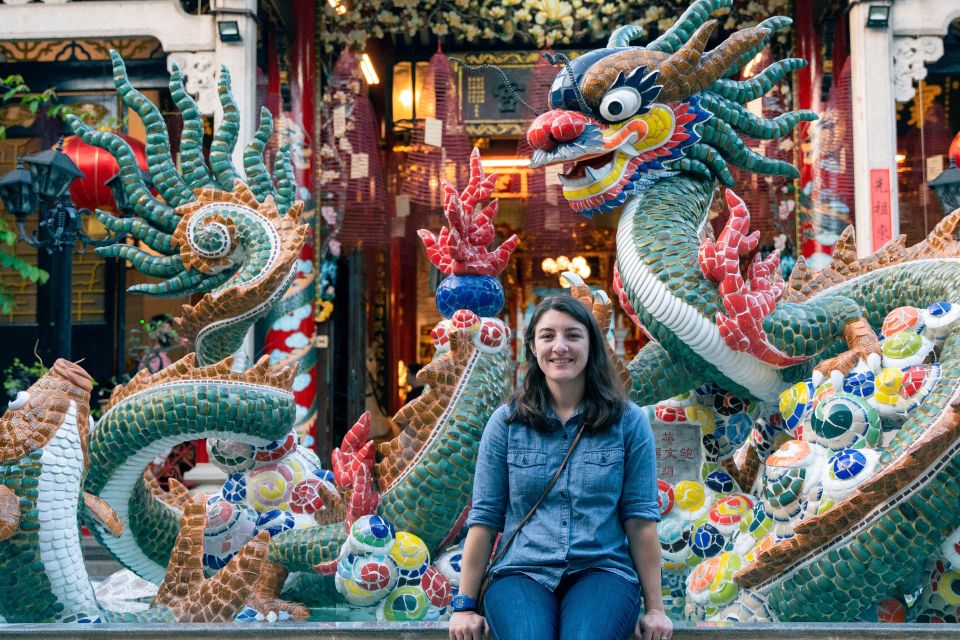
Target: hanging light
(52,171)
(16,191)
(369,72)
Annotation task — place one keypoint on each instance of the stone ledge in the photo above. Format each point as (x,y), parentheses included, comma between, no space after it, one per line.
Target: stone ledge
(437,631)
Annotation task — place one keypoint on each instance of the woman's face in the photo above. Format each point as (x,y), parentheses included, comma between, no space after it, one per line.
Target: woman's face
(561,345)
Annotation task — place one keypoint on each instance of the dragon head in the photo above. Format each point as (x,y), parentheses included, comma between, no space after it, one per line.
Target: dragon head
(625,116)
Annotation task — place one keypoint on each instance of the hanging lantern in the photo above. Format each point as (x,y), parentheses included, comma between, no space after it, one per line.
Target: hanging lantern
(954,153)
(98,166)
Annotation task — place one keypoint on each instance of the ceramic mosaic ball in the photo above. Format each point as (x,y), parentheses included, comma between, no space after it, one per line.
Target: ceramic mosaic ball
(794,404)
(375,572)
(234,488)
(306,497)
(732,431)
(372,534)
(664,497)
(354,593)
(275,521)
(270,486)
(483,295)
(276,450)
(448,564)
(691,500)
(706,541)
(901,319)
(887,393)
(711,583)
(848,469)
(939,319)
(917,383)
(441,336)
(674,536)
(728,513)
(859,384)
(231,456)
(720,482)
(411,555)
(437,587)
(844,421)
(727,404)
(492,337)
(905,349)
(950,550)
(404,604)
(229,527)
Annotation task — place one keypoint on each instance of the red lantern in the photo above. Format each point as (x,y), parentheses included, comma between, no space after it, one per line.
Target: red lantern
(98,166)
(955,150)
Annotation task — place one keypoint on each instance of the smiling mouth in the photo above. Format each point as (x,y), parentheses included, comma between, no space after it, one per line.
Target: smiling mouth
(562,361)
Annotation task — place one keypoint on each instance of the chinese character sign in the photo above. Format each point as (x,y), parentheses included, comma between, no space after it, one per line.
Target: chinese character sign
(677,450)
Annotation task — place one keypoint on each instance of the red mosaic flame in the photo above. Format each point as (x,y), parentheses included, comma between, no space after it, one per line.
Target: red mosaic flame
(356,454)
(461,247)
(746,303)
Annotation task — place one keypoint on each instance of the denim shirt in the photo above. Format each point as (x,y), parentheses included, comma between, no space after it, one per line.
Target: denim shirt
(610,478)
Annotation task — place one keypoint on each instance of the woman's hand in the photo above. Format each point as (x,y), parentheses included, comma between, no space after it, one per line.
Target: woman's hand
(468,625)
(653,625)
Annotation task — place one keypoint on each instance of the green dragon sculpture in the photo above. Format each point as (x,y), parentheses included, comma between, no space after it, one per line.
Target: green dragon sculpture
(653,130)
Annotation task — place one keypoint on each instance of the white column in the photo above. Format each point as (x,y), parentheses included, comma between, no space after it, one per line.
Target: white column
(874,123)
(241,58)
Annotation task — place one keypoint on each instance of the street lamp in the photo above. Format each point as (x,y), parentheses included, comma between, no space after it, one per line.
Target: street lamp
(947,187)
(46,187)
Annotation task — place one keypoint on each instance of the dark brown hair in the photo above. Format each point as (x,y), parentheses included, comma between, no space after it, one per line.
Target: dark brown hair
(603,399)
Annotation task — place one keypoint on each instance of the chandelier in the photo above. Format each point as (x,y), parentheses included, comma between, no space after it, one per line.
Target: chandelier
(578,265)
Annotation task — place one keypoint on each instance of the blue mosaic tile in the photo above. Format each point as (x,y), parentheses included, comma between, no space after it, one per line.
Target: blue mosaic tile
(481,294)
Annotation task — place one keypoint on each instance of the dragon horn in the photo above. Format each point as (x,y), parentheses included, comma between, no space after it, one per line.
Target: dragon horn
(681,73)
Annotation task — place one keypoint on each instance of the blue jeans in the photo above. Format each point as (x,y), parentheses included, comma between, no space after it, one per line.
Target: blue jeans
(594,605)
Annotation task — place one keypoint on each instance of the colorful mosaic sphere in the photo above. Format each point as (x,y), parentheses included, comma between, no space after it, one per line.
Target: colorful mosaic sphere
(440,335)
(492,337)
(276,450)
(900,319)
(448,564)
(848,469)
(306,497)
(885,398)
(234,488)
(727,404)
(231,456)
(664,497)
(845,421)
(692,501)
(939,319)
(371,534)
(950,550)
(482,295)
(917,383)
(411,555)
(905,349)
(229,527)
(437,587)
(354,593)
(270,486)
(720,482)
(275,521)
(674,535)
(375,573)
(859,383)
(711,584)
(795,403)
(706,541)
(404,604)
(728,513)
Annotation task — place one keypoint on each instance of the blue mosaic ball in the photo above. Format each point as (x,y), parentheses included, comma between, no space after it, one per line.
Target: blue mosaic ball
(247,614)
(234,489)
(481,294)
(275,521)
(848,463)
(860,384)
(706,541)
(720,482)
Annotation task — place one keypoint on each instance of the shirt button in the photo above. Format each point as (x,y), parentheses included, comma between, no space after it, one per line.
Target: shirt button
(523,461)
(564,436)
(603,458)
(563,494)
(563,523)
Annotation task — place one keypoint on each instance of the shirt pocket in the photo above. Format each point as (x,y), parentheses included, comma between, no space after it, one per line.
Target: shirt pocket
(528,471)
(603,470)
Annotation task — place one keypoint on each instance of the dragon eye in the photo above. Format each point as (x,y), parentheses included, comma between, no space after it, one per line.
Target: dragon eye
(620,104)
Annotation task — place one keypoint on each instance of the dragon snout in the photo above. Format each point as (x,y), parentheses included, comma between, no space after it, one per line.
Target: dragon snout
(556,127)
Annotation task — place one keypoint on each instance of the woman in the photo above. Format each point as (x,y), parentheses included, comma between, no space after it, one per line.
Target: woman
(572,572)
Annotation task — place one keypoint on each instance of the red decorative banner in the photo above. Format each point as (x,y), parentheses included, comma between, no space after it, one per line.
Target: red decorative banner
(880,207)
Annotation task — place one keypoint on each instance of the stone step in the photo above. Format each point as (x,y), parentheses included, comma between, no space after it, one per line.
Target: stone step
(437,631)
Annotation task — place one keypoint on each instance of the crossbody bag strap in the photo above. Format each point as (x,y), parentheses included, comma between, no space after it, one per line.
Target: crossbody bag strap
(553,481)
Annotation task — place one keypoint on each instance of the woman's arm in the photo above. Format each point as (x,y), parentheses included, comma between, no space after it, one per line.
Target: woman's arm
(645,551)
(468,625)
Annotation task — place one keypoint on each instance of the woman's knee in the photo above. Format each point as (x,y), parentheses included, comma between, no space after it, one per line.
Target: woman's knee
(599,605)
(520,608)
